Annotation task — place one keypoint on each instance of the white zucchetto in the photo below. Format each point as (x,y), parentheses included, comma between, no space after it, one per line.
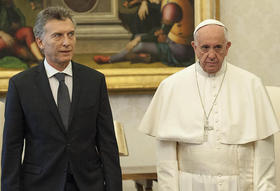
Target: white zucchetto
(208,22)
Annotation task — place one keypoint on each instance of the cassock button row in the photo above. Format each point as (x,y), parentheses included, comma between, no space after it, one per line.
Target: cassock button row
(210,128)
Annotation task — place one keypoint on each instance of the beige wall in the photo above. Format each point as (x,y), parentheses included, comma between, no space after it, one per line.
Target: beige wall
(254,31)
(129,110)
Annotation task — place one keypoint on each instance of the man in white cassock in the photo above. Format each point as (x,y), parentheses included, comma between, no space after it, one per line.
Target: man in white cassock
(213,122)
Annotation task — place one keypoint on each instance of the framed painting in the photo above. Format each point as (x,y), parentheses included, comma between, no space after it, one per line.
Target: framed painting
(101,31)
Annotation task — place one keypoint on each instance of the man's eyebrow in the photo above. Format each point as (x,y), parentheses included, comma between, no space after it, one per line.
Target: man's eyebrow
(55,33)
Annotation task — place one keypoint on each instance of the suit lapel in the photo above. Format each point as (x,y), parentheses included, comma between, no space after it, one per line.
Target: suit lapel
(42,82)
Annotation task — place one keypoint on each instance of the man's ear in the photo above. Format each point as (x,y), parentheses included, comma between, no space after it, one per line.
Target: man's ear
(39,43)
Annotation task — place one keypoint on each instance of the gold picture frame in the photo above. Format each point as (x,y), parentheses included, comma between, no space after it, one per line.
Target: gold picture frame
(136,79)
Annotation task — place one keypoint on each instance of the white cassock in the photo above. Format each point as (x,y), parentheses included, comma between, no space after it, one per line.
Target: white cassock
(235,154)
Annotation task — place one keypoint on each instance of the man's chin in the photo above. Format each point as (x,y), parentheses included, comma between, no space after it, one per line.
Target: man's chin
(65,60)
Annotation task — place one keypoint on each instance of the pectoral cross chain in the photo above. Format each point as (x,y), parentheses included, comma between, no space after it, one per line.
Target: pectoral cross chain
(207,127)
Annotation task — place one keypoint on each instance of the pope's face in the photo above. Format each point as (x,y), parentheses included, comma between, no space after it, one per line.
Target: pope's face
(211,47)
(58,42)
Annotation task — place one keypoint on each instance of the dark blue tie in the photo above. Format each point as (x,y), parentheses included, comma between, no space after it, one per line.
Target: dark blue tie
(63,99)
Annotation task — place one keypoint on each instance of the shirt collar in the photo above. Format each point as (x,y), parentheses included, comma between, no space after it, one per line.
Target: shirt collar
(202,72)
(51,71)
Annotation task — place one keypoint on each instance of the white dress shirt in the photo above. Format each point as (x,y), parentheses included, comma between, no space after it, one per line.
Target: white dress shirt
(54,83)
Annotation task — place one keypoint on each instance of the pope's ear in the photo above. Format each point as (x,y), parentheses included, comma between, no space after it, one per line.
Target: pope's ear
(228,44)
(193,45)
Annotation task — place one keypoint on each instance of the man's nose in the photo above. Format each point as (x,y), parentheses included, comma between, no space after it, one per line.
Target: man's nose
(66,41)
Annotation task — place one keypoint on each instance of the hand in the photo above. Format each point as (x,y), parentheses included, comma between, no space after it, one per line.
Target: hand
(161,37)
(125,4)
(8,39)
(32,5)
(143,10)
(133,43)
(158,32)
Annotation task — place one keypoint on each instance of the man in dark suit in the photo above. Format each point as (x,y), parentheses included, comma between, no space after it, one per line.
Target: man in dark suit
(66,123)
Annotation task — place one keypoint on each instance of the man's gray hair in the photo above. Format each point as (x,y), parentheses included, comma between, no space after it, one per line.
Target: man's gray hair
(50,13)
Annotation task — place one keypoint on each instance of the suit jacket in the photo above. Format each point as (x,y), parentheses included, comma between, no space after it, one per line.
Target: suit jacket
(89,145)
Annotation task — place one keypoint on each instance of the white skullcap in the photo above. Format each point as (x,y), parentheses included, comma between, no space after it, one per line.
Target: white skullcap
(207,22)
